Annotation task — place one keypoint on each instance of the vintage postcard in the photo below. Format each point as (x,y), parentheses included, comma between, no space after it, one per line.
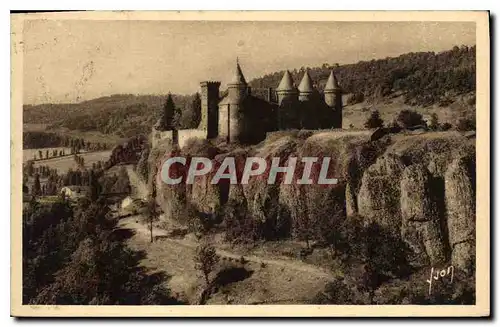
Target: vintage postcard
(250,164)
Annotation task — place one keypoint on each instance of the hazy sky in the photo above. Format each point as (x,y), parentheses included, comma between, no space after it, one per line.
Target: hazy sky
(71,61)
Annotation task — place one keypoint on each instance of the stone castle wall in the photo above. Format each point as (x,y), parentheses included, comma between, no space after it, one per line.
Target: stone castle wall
(180,137)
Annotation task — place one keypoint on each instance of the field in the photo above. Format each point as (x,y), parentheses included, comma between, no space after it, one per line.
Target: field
(89,136)
(29,154)
(62,164)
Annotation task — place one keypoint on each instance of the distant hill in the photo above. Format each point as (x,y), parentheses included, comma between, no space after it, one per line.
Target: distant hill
(423,79)
(125,115)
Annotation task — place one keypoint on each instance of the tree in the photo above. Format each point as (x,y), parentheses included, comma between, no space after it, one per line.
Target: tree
(409,118)
(374,121)
(166,121)
(95,186)
(30,168)
(142,165)
(152,212)
(434,123)
(36,188)
(205,260)
(196,108)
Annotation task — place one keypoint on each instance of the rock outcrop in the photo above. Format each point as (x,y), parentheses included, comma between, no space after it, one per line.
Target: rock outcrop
(411,185)
(378,197)
(420,221)
(461,218)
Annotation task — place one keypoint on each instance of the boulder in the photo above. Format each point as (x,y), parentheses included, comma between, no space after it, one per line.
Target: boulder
(431,235)
(378,197)
(415,200)
(461,215)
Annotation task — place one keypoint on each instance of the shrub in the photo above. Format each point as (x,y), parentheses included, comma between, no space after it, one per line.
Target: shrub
(445,126)
(466,124)
(336,292)
(374,121)
(434,123)
(409,118)
(355,98)
(205,260)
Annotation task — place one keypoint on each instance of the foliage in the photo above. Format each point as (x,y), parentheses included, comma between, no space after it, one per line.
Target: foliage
(38,139)
(142,167)
(466,124)
(446,126)
(355,98)
(75,255)
(168,117)
(434,123)
(370,254)
(409,118)
(374,121)
(125,115)
(424,78)
(205,260)
(128,152)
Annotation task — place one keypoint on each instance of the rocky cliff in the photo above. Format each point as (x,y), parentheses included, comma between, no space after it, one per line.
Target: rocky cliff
(419,186)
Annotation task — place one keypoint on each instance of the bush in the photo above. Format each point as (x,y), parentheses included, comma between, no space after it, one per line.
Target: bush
(205,260)
(336,292)
(434,123)
(374,121)
(355,98)
(409,118)
(445,126)
(466,124)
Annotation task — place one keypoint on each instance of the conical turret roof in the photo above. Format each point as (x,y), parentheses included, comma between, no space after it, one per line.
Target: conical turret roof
(305,85)
(332,83)
(286,83)
(238,77)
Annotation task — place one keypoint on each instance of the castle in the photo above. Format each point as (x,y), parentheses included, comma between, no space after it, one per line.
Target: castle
(239,116)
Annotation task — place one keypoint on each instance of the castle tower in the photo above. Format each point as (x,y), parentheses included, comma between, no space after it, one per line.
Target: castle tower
(237,88)
(230,122)
(209,108)
(333,99)
(285,89)
(305,88)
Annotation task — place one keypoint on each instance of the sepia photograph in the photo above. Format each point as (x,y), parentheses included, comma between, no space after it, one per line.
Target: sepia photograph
(250,164)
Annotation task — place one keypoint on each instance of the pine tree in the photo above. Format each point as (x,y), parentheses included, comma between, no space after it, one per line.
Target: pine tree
(166,122)
(196,108)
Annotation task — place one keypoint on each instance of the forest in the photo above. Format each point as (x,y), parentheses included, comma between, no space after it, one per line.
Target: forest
(424,78)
